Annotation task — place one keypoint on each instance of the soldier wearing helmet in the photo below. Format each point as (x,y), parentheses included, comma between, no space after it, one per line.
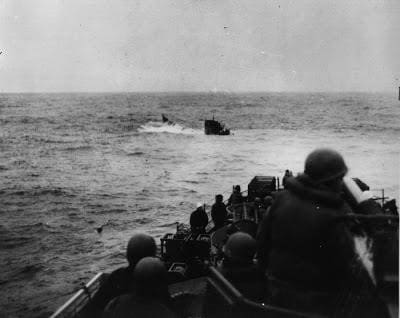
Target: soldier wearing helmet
(326,169)
(239,268)
(308,255)
(117,283)
(287,174)
(198,220)
(236,196)
(239,249)
(219,214)
(149,296)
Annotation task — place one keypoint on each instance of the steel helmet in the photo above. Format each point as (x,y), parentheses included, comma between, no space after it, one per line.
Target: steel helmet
(140,245)
(268,200)
(150,275)
(257,200)
(325,164)
(240,247)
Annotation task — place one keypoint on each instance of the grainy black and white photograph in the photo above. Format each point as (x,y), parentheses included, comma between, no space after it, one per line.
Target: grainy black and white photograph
(199,158)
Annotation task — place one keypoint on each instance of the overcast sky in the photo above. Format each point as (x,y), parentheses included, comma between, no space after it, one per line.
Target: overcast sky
(199,45)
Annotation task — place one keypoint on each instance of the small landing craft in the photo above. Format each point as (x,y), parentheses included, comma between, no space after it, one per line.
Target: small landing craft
(213,127)
(191,280)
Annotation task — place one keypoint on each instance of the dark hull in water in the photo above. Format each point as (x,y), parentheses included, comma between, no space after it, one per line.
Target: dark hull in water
(192,259)
(213,127)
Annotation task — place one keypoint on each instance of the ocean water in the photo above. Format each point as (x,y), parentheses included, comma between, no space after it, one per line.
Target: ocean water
(70,163)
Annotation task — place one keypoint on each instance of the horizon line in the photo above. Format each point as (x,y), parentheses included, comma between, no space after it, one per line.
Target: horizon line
(202,92)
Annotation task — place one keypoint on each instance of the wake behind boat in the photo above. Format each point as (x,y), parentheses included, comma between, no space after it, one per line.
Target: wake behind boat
(167,126)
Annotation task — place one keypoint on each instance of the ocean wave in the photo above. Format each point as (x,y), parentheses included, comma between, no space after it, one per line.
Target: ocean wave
(136,153)
(76,148)
(116,210)
(144,209)
(191,191)
(51,139)
(52,191)
(37,192)
(11,243)
(27,120)
(20,162)
(24,272)
(192,181)
(34,227)
(10,239)
(142,221)
(202,173)
(157,127)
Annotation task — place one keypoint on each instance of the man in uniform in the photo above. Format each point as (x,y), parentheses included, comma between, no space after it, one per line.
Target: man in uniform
(198,220)
(308,255)
(149,295)
(219,214)
(117,283)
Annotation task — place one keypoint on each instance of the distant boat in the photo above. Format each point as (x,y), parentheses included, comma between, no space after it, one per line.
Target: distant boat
(213,127)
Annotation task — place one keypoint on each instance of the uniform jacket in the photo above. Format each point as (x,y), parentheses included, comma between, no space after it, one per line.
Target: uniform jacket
(301,241)
(198,219)
(219,214)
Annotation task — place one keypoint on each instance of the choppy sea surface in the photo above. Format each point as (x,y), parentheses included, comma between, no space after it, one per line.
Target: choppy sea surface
(70,163)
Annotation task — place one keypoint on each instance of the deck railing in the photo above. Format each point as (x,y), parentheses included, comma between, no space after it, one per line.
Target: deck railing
(75,304)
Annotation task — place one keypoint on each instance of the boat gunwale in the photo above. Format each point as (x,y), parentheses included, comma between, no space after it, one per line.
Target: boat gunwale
(62,310)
